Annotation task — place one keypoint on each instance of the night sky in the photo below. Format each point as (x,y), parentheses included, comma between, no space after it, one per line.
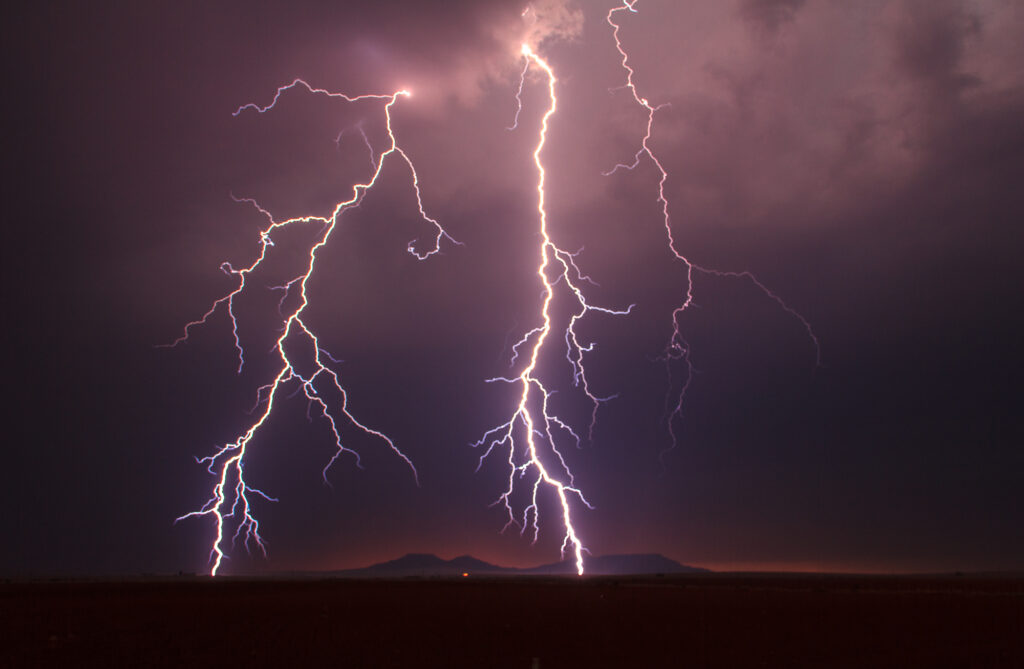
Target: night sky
(863,160)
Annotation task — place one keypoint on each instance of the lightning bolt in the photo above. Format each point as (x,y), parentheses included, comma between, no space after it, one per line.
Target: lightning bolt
(230,502)
(532,435)
(677,350)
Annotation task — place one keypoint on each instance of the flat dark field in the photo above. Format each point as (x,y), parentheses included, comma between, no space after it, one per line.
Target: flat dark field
(717,620)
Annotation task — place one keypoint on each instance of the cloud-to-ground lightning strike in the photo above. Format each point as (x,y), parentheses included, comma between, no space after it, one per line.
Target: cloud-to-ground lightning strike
(533,433)
(677,349)
(230,500)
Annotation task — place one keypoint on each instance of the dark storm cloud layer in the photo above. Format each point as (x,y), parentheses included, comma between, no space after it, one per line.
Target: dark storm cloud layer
(863,159)
(838,102)
(769,14)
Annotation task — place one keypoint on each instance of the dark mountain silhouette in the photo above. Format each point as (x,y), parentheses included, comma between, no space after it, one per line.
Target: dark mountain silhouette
(425,564)
(619,565)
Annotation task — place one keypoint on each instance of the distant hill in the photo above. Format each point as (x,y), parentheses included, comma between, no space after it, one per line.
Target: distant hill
(426,564)
(620,565)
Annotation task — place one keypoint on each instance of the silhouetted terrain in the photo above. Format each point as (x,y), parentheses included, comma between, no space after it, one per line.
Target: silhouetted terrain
(620,565)
(692,620)
(425,564)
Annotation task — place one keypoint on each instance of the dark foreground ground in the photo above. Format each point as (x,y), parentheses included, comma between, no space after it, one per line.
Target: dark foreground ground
(684,621)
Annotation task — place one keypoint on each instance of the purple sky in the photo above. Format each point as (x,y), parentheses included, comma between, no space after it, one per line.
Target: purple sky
(862,159)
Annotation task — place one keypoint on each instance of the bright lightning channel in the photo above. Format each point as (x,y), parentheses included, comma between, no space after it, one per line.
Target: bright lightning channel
(677,348)
(230,502)
(533,448)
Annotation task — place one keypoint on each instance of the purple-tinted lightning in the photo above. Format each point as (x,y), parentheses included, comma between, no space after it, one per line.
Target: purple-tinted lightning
(677,348)
(230,502)
(533,434)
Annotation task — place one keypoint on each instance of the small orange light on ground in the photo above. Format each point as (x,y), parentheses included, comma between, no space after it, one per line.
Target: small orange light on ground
(465,574)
